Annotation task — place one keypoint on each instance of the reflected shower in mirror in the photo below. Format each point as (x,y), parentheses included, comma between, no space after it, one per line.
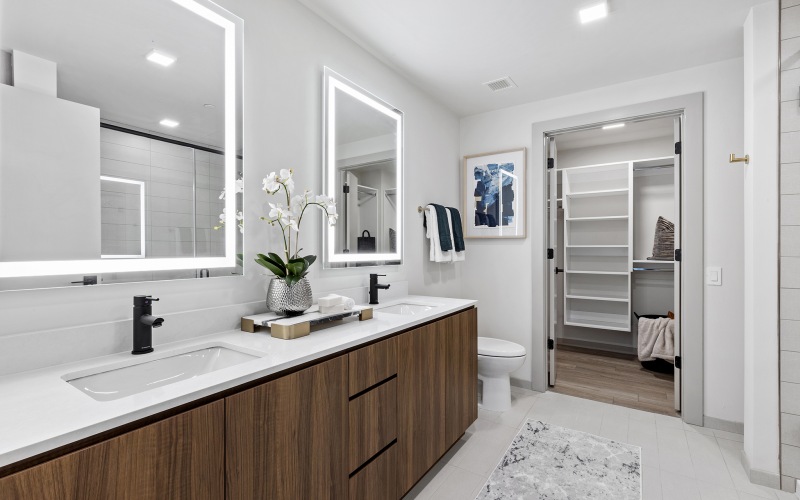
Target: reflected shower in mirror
(120,130)
(363,172)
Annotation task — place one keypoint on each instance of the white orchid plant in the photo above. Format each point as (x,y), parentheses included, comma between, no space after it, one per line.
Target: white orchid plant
(289,218)
(239,187)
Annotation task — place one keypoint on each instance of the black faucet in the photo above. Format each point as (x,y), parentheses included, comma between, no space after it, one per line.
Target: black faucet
(143,324)
(374,287)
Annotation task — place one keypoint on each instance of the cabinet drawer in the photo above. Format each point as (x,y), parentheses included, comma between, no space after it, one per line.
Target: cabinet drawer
(377,479)
(373,423)
(372,364)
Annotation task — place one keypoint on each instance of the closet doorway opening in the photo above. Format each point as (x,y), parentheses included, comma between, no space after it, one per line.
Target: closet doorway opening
(614,217)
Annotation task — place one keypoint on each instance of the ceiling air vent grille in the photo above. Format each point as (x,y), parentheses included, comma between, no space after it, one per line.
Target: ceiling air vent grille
(501,84)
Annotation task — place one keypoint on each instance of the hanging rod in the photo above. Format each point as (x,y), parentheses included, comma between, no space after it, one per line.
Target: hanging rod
(657,167)
(653,269)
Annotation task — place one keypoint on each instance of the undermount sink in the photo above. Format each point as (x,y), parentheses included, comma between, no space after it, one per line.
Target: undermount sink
(406,309)
(113,382)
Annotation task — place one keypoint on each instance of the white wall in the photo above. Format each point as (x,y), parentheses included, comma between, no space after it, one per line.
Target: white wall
(761,432)
(511,304)
(285,49)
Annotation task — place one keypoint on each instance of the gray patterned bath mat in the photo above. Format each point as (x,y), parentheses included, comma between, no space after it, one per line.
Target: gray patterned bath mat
(547,462)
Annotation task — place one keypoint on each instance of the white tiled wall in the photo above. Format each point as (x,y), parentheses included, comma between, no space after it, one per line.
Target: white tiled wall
(169,172)
(790,239)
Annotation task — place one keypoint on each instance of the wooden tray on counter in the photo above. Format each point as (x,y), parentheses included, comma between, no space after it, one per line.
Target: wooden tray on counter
(287,328)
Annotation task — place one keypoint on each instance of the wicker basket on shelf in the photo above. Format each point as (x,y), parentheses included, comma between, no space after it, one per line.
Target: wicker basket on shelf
(664,241)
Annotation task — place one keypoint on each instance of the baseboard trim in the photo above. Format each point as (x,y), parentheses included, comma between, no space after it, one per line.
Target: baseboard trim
(723,425)
(523,384)
(788,484)
(599,346)
(760,477)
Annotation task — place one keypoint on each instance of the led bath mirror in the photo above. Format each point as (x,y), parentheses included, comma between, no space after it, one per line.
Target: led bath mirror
(363,172)
(120,141)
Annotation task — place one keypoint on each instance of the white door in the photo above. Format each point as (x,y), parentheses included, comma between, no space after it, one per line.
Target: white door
(552,252)
(677,287)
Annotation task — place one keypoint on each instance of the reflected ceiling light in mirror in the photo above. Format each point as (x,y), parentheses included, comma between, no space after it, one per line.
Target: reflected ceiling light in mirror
(613,125)
(160,58)
(334,82)
(166,122)
(217,15)
(594,12)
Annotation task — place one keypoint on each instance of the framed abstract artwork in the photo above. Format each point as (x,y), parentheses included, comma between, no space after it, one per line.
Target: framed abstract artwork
(494,194)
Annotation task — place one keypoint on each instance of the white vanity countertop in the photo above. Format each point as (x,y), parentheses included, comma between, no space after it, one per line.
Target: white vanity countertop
(40,411)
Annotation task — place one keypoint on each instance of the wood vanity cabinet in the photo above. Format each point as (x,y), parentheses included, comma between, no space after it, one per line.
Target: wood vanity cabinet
(363,425)
(181,457)
(437,392)
(287,439)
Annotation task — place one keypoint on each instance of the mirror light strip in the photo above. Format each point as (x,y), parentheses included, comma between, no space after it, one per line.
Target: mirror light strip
(142,221)
(209,11)
(334,83)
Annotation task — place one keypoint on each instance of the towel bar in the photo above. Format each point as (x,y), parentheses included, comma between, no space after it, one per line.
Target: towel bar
(420,209)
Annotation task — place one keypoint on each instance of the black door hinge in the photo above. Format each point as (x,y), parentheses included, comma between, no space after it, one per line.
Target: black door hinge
(557,270)
(678,255)
(551,344)
(551,163)
(346,189)
(678,362)
(551,254)
(678,148)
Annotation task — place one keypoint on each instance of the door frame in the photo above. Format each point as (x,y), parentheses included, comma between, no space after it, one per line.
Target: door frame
(693,260)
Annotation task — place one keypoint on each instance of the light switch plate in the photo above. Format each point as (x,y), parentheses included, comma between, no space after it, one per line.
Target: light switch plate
(714,276)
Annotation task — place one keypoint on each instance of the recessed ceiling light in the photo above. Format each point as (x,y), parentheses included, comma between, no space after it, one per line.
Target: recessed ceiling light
(160,58)
(169,123)
(594,12)
(209,106)
(613,125)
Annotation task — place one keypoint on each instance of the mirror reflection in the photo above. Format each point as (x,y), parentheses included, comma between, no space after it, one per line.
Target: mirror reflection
(364,163)
(112,136)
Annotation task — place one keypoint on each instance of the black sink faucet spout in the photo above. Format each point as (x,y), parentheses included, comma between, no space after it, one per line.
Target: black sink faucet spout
(374,287)
(143,324)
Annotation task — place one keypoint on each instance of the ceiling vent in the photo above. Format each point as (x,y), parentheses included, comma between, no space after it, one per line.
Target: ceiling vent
(501,84)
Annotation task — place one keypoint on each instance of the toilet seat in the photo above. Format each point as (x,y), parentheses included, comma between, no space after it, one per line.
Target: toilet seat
(497,348)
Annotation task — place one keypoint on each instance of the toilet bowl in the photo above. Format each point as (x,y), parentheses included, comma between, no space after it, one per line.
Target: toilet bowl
(496,360)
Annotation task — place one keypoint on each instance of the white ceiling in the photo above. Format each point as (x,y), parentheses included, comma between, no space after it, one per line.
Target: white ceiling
(100,48)
(450,47)
(632,131)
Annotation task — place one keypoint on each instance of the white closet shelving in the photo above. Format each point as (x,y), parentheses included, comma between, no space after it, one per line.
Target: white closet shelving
(598,243)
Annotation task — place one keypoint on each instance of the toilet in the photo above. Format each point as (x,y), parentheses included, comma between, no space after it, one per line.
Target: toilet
(496,360)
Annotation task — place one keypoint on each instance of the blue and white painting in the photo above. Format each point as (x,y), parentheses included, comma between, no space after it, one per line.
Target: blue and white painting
(494,194)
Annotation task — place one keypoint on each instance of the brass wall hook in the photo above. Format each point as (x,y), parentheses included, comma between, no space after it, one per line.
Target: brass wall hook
(734,159)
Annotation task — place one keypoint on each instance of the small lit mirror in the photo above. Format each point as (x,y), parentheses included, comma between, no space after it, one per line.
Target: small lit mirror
(363,173)
(120,129)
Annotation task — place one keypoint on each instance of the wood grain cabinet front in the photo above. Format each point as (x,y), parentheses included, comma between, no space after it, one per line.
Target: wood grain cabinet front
(461,373)
(372,364)
(287,439)
(181,457)
(376,481)
(373,422)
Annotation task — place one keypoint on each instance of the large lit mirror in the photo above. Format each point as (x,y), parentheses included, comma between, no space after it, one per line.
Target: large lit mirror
(120,129)
(363,173)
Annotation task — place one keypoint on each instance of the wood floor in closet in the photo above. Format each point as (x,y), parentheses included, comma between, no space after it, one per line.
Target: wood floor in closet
(613,378)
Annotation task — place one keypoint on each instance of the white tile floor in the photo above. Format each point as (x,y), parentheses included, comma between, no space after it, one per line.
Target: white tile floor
(679,461)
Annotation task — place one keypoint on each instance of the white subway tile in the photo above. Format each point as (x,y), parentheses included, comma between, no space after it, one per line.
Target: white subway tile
(790,115)
(124,139)
(124,169)
(790,54)
(790,209)
(790,178)
(790,336)
(790,22)
(168,148)
(161,160)
(790,398)
(790,272)
(171,176)
(171,190)
(790,85)
(789,3)
(790,303)
(790,241)
(124,153)
(790,367)
(790,460)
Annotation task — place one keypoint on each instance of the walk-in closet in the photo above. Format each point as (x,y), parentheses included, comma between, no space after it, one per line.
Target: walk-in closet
(615,220)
